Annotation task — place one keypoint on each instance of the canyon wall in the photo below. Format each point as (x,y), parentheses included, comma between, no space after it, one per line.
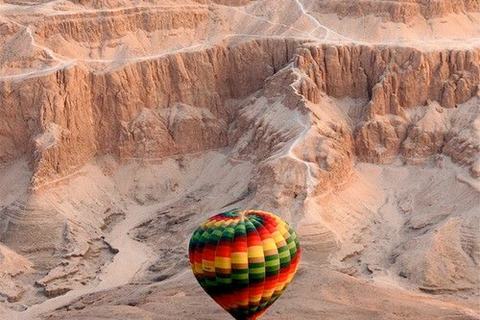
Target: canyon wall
(124,124)
(396,81)
(392,77)
(62,118)
(94,29)
(396,11)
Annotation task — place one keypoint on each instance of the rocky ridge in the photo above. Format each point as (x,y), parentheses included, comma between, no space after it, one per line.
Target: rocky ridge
(285,118)
(396,11)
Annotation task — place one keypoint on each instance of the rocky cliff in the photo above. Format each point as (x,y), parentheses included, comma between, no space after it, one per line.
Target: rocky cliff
(182,96)
(396,81)
(396,11)
(95,113)
(123,124)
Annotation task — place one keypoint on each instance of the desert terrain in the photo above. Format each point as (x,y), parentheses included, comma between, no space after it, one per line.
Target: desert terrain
(124,124)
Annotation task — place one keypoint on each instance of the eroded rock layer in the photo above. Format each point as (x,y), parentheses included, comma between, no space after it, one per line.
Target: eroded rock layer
(397,81)
(123,124)
(179,97)
(396,11)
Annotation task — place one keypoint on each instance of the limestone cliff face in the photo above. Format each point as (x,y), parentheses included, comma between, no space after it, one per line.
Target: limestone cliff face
(202,82)
(150,108)
(392,76)
(48,118)
(122,34)
(228,2)
(84,27)
(301,148)
(396,11)
(158,107)
(140,118)
(396,81)
(116,3)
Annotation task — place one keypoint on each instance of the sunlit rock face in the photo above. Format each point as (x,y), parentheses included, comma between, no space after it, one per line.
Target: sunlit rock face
(124,124)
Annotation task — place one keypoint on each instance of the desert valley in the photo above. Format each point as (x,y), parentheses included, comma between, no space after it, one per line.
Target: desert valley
(126,123)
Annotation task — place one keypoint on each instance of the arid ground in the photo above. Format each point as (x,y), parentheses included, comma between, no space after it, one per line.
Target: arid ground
(124,124)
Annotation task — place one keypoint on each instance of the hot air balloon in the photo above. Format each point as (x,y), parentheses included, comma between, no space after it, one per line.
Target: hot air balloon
(244,260)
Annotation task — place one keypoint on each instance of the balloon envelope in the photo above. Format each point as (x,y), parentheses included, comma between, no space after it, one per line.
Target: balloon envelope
(244,260)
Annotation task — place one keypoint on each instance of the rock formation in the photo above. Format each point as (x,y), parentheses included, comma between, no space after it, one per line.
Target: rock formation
(396,11)
(123,124)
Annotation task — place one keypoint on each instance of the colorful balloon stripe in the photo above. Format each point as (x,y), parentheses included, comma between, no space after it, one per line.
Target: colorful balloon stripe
(244,260)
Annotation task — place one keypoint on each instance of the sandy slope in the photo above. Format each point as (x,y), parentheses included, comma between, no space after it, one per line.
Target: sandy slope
(319,290)
(332,227)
